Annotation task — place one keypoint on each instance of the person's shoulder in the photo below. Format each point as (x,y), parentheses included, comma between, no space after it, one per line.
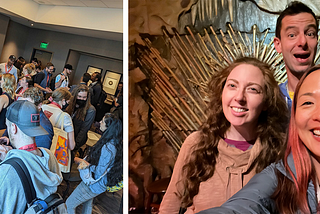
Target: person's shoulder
(192,139)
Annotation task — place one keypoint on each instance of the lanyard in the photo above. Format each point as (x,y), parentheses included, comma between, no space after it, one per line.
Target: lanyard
(56,104)
(29,147)
(6,68)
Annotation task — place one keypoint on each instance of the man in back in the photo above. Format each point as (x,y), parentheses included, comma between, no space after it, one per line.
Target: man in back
(62,80)
(8,67)
(23,125)
(42,79)
(296,38)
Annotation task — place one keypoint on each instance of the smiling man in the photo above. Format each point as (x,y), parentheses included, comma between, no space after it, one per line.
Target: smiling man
(296,38)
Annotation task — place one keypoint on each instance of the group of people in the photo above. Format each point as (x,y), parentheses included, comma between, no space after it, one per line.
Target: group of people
(258,151)
(29,116)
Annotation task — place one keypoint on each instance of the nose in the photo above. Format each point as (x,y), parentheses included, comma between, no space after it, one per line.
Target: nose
(240,96)
(302,41)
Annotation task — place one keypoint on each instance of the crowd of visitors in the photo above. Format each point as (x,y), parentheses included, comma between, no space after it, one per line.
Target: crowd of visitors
(30,111)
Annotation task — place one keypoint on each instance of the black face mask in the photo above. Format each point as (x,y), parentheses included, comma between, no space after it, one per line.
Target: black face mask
(81,103)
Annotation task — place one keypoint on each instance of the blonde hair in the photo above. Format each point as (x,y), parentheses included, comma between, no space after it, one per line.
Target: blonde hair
(60,94)
(30,67)
(9,84)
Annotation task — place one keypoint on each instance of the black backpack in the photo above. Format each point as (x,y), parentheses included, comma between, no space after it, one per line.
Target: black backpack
(52,204)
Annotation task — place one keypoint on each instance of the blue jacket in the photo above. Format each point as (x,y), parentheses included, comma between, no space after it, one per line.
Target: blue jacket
(96,176)
(283,89)
(255,196)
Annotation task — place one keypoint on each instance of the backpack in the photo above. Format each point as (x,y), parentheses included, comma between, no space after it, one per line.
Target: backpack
(53,204)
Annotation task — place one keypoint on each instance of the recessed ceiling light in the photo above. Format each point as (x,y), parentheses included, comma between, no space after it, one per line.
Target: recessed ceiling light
(31,24)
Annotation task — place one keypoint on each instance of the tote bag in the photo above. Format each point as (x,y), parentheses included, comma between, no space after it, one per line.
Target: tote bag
(59,146)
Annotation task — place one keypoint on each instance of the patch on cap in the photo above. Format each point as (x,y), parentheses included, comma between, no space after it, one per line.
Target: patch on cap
(35,118)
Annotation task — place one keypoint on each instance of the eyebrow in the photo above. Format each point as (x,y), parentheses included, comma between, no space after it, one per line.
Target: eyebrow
(250,83)
(308,26)
(306,94)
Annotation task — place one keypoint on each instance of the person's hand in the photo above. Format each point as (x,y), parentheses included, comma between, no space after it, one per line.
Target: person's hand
(48,90)
(77,160)
(83,164)
(4,140)
(3,151)
(62,77)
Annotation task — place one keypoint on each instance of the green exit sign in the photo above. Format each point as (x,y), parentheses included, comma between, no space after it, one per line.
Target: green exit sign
(44,45)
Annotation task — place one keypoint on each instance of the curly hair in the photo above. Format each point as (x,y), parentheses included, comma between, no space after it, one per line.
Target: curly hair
(9,84)
(113,135)
(271,129)
(81,112)
(35,94)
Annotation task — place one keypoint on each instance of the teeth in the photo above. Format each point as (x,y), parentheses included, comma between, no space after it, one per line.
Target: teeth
(240,110)
(316,132)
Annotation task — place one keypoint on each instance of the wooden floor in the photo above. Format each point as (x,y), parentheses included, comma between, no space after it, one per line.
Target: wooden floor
(106,203)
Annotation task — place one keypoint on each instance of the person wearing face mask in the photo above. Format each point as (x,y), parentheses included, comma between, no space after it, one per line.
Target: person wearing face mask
(52,109)
(82,113)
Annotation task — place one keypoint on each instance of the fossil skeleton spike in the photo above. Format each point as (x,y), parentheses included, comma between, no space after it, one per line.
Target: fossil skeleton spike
(216,7)
(230,10)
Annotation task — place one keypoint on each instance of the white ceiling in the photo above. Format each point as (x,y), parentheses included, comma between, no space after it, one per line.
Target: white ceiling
(98,5)
(83,3)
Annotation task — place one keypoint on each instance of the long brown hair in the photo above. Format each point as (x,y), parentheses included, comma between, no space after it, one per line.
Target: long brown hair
(271,129)
(80,113)
(305,171)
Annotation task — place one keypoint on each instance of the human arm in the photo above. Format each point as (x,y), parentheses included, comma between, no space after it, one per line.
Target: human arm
(171,202)
(253,198)
(71,142)
(59,79)
(4,101)
(37,81)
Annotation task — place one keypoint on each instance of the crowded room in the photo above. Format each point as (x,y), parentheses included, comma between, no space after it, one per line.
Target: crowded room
(61,106)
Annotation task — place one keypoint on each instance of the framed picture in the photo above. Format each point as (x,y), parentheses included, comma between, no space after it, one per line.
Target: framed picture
(111,81)
(92,69)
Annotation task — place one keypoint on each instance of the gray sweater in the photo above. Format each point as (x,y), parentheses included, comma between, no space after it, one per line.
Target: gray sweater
(255,196)
(45,175)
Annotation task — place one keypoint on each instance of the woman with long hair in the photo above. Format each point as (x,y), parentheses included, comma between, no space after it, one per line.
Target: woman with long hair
(243,134)
(82,113)
(291,185)
(102,167)
(59,99)
(8,86)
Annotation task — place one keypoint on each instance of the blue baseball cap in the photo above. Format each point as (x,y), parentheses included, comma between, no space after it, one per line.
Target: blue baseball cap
(26,116)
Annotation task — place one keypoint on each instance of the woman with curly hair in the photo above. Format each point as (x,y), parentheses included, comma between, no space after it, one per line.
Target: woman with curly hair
(244,133)
(101,168)
(8,86)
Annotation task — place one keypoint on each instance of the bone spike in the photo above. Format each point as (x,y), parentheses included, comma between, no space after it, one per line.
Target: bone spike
(193,14)
(202,3)
(210,9)
(230,10)
(216,7)
(254,39)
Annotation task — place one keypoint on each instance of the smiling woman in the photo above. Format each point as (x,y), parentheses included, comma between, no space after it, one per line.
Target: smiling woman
(242,136)
(297,176)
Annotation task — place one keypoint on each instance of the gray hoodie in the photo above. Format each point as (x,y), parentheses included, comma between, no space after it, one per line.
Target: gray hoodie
(45,175)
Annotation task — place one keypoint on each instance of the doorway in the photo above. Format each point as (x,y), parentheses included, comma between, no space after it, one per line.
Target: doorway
(43,56)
